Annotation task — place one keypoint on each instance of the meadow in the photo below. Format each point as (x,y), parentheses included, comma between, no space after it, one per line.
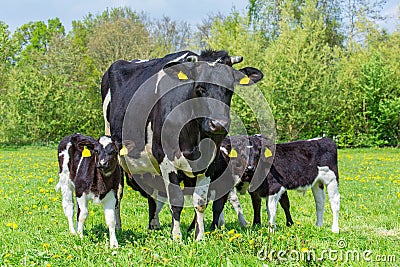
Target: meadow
(34,230)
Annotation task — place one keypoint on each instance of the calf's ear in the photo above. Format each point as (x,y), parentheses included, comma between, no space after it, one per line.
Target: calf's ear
(252,75)
(89,145)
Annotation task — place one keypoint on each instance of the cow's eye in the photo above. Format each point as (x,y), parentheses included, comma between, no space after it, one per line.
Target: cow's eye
(191,59)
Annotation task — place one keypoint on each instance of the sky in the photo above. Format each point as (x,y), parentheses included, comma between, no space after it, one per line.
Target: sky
(15,13)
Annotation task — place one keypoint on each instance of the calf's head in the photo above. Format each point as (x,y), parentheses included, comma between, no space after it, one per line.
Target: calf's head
(106,151)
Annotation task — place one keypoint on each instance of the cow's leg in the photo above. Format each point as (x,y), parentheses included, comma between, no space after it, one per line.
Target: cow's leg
(120,194)
(319,198)
(272,206)
(109,202)
(200,203)
(234,200)
(285,204)
(218,212)
(155,207)
(67,191)
(334,199)
(256,203)
(82,212)
(175,199)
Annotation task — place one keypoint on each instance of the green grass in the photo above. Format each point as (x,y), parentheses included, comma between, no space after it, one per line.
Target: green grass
(34,230)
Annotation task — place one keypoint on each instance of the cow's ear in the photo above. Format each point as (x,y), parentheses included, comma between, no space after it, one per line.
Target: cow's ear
(251,76)
(179,71)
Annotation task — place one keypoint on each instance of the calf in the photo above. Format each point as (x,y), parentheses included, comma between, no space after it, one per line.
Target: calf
(90,168)
(302,165)
(252,157)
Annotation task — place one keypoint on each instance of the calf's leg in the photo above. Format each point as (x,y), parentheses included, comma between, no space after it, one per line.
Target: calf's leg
(285,204)
(319,198)
(256,201)
(200,203)
(234,200)
(83,212)
(67,191)
(108,203)
(272,206)
(334,199)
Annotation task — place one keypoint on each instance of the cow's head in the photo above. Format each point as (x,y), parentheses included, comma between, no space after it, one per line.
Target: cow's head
(211,81)
(106,152)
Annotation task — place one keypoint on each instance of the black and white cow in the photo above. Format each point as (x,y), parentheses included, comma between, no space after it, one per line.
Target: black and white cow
(89,168)
(300,165)
(166,111)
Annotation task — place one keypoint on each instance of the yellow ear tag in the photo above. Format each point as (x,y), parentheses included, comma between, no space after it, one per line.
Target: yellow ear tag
(182,76)
(245,80)
(233,153)
(123,151)
(182,185)
(86,152)
(267,153)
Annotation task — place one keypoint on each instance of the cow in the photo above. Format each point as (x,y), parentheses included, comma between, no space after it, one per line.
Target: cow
(89,168)
(171,114)
(300,165)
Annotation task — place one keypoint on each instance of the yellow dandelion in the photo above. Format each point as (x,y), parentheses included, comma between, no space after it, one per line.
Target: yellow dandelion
(46,246)
(359,195)
(9,224)
(45,207)
(303,250)
(57,256)
(48,265)
(145,248)
(69,257)
(231,239)
(231,232)
(14,226)
(50,180)
(7,255)
(398,194)
(251,241)
(238,235)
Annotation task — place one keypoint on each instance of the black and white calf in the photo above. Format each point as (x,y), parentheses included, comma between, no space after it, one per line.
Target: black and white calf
(300,166)
(243,157)
(90,168)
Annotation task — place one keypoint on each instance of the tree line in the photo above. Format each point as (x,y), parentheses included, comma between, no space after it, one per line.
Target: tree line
(329,69)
